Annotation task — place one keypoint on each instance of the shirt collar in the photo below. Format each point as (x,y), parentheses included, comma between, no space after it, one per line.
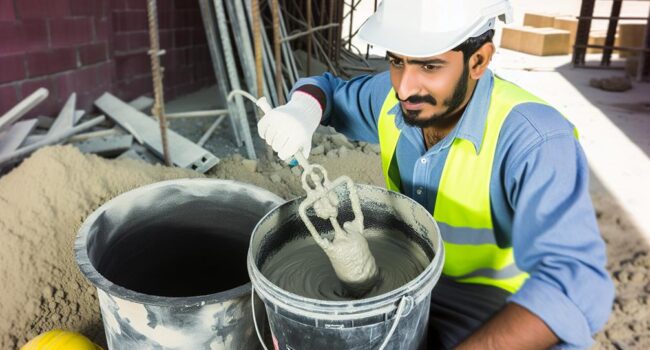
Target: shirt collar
(471,126)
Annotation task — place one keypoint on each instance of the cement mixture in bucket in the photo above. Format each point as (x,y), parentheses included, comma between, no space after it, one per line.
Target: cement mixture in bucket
(348,269)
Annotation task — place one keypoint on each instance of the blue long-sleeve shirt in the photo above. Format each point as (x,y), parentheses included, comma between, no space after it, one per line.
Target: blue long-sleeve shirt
(539,194)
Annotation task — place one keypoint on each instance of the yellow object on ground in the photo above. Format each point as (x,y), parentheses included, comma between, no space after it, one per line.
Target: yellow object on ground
(57,339)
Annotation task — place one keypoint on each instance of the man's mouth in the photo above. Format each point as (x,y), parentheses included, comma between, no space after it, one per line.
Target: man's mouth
(413,106)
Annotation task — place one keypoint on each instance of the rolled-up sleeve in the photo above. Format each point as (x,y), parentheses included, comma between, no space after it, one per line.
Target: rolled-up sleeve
(557,241)
(352,106)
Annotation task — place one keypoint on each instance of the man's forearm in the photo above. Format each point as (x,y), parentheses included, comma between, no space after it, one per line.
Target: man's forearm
(513,327)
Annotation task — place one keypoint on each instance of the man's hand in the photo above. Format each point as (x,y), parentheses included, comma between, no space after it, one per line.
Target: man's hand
(514,327)
(290,128)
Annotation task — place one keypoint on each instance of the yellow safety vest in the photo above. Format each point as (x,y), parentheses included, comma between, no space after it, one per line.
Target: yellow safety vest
(462,208)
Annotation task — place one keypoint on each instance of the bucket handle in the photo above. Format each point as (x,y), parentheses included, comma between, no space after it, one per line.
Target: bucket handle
(257,330)
(406,301)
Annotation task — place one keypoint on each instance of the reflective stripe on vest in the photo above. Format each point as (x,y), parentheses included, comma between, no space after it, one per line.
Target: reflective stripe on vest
(463,209)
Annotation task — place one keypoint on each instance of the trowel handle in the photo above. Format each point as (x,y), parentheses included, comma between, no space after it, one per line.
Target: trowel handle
(265,106)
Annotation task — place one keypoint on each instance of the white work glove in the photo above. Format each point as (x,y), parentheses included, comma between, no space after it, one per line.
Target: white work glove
(289,128)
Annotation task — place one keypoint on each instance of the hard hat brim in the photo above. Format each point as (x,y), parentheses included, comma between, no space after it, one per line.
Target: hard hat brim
(422,44)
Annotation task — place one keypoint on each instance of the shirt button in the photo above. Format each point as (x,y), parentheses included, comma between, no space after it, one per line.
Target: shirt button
(423,160)
(419,191)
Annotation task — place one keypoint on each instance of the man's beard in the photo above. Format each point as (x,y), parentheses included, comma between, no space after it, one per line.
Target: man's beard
(444,118)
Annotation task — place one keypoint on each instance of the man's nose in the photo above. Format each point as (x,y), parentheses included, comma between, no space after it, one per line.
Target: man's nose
(408,85)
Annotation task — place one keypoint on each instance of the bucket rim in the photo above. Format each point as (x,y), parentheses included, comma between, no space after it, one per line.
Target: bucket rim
(100,282)
(381,303)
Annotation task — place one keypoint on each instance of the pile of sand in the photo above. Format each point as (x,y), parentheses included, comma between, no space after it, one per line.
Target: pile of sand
(42,204)
(628,256)
(45,199)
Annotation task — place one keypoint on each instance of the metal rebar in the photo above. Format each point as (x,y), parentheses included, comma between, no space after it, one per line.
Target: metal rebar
(234,78)
(275,11)
(257,46)
(218,64)
(309,37)
(158,109)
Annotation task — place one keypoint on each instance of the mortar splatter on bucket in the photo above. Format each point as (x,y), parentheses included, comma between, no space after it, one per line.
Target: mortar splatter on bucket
(168,261)
(396,319)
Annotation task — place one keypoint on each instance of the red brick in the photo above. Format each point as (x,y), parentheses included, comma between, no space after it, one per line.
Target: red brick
(180,5)
(132,20)
(42,9)
(136,4)
(166,38)
(35,34)
(138,41)
(12,68)
(49,106)
(198,37)
(78,81)
(130,89)
(121,42)
(92,53)
(131,65)
(10,37)
(101,29)
(118,4)
(183,38)
(7,11)
(83,7)
(8,98)
(165,5)
(70,31)
(105,75)
(50,61)
(166,20)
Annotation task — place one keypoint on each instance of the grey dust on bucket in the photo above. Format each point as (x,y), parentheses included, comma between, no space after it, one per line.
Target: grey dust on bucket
(305,304)
(169,264)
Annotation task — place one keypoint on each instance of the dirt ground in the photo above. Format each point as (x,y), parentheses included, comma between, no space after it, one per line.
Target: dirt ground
(46,198)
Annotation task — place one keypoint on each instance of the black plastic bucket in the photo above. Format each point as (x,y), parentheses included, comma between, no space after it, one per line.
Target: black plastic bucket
(168,261)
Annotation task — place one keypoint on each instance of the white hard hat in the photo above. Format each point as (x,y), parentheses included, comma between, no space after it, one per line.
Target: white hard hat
(423,28)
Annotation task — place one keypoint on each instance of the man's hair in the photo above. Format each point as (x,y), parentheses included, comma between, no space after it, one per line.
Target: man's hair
(471,45)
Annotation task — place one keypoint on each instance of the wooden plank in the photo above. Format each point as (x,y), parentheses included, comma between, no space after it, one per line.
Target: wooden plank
(11,139)
(66,117)
(139,152)
(183,152)
(23,107)
(106,146)
(78,114)
(44,122)
(23,152)
(143,104)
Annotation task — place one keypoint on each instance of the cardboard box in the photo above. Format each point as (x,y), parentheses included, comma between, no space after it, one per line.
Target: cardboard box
(598,38)
(538,20)
(630,35)
(536,41)
(570,24)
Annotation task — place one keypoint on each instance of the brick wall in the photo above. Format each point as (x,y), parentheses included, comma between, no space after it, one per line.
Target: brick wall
(92,46)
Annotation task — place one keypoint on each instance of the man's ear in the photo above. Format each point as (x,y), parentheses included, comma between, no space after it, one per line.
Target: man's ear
(480,60)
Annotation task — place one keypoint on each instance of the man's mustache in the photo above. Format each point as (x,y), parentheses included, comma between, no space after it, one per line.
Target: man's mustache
(419,99)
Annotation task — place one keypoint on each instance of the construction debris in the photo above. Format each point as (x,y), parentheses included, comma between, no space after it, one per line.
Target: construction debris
(183,152)
(106,146)
(142,103)
(11,139)
(613,84)
(23,107)
(23,152)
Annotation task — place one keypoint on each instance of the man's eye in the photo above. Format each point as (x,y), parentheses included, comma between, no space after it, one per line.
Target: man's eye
(430,67)
(396,62)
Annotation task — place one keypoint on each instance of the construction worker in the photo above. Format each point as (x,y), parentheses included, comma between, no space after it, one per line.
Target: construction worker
(501,171)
